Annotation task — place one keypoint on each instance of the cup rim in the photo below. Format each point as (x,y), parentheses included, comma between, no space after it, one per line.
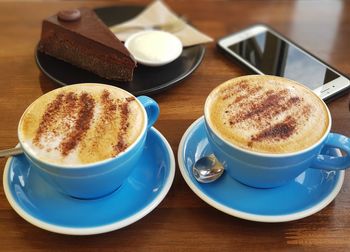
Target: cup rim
(87,165)
(263,154)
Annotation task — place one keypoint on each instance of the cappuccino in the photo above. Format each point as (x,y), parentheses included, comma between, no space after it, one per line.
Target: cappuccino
(267,114)
(81,124)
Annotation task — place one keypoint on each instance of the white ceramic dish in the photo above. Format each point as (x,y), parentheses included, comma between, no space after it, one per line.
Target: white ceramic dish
(153,47)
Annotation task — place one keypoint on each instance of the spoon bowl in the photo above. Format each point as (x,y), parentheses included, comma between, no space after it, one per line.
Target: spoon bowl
(207,169)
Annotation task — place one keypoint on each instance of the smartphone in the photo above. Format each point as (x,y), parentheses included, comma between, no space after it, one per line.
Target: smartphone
(266,51)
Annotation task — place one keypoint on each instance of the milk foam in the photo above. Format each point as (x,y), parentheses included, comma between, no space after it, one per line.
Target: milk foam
(81,124)
(267,114)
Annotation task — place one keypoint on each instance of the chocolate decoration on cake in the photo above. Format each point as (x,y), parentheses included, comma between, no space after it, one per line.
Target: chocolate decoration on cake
(87,43)
(69,15)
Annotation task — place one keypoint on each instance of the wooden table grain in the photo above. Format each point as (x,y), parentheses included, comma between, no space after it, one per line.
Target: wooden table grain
(182,222)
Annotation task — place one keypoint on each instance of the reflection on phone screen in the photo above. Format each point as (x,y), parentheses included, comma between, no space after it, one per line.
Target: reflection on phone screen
(272,55)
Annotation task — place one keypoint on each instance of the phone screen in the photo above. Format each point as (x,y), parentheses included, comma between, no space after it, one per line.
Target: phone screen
(274,56)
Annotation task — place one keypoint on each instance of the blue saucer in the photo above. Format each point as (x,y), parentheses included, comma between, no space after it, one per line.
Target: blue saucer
(310,192)
(40,204)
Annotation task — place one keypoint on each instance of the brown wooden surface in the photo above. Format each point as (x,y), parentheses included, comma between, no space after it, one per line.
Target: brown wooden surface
(182,221)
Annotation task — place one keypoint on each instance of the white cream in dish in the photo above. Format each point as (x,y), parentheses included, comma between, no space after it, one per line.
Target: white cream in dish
(154,48)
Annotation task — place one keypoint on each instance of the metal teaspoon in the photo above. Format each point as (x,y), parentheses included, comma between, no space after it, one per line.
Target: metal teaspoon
(11,152)
(207,169)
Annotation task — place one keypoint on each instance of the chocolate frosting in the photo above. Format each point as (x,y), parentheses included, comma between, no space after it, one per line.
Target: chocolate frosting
(91,27)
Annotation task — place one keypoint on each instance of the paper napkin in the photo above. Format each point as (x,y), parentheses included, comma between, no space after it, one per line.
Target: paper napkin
(157,13)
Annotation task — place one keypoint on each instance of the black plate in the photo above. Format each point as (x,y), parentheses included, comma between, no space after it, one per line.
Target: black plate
(147,80)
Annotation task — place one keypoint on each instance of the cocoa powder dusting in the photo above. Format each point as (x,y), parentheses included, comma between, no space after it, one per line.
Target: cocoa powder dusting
(124,125)
(104,124)
(276,132)
(81,125)
(242,90)
(264,109)
(231,90)
(271,104)
(294,101)
(306,111)
(72,115)
(110,109)
(48,118)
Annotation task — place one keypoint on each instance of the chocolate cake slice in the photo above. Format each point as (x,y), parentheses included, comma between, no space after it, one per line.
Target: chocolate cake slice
(80,38)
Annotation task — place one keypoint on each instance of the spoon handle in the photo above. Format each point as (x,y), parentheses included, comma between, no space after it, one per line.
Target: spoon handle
(11,152)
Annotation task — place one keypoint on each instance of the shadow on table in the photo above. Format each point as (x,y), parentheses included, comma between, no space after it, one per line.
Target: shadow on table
(46,84)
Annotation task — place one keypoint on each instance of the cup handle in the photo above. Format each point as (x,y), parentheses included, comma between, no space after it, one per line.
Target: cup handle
(152,109)
(326,162)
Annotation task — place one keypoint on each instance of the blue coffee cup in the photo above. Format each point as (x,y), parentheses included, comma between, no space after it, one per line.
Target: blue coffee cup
(94,180)
(264,170)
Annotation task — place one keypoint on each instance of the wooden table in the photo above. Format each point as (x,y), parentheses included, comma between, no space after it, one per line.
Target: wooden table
(182,221)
